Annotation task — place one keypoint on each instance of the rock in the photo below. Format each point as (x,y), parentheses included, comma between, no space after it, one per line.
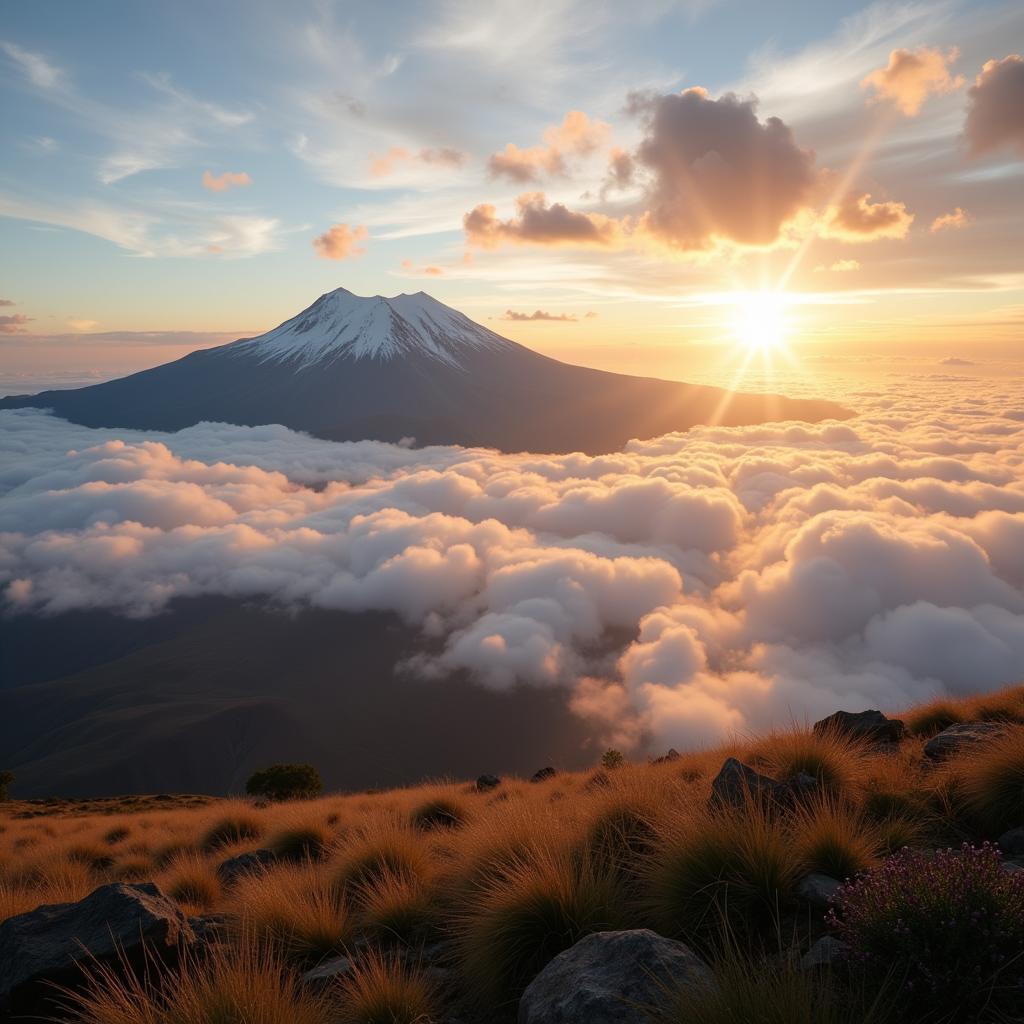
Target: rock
(1012,842)
(956,737)
(325,974)
(611,978)
(210,928)
(671,755)
(817,889)
(117,924)
(486,782)
(543,774)
(825,953)
(736,782)
(251,863)
(1013,866)
(869,726)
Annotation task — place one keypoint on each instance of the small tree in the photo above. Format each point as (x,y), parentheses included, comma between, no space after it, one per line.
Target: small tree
(612,759)
(6,778)
(285,782)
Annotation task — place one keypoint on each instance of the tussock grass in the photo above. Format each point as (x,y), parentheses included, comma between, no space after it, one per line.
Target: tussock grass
(837,762)
(835,839)
(192,881)
(246,983)
(989,780)
(384,990)
(308,840)
(440,812)
(238,827)
(527,913)
(929,719)
(294,910)
(396,907)
(381,848)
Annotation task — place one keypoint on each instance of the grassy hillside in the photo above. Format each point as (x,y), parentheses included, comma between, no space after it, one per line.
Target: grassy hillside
(451,899)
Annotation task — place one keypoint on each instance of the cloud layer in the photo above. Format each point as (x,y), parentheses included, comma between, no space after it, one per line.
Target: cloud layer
(688,586)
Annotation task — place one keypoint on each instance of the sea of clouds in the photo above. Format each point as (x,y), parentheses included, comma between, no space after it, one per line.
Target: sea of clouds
(751,575)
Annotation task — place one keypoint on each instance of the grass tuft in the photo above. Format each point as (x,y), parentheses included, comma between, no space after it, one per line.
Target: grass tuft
(386,990)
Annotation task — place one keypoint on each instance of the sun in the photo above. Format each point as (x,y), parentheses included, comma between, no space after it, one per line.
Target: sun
(759,321)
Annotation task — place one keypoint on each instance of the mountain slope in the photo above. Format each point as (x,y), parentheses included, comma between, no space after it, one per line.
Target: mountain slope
(352,368)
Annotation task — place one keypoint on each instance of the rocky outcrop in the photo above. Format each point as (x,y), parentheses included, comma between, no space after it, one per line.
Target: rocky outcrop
(865,726)
(611,978)
(737,782)
(817,889)
(250,863)
(957,737)
(116,924)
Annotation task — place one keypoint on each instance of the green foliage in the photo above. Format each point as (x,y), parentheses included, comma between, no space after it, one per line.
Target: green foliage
(612,759)
(6,778)
(285,782)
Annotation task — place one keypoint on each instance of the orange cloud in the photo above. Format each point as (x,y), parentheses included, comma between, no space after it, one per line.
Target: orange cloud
(911,76)
(428,271)
(229,179)
(14,323)
(857,219)
(382,166)
(995,117)
(959,218)
(537,223)
(577,135)
(340,242)
(839,267)
(538,314)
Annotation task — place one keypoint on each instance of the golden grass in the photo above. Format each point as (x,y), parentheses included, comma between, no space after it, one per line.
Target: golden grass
(386,990)
(989,780)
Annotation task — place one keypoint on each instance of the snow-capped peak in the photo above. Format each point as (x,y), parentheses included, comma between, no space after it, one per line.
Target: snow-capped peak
(340,325)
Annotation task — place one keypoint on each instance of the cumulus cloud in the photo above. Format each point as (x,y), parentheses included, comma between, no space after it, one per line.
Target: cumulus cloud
(716,171)
(956,361)
(577,135)
(957,218)
(426,271)
(857,219)
(688,586)
(14,323)
(537,223)
(839,267)
(995,116)
(340,242)
(225,181)
(911,76)
(539,314)
(7,302)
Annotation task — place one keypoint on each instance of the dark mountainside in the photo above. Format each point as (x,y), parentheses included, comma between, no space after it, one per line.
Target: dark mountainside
(351,368)
(198,698)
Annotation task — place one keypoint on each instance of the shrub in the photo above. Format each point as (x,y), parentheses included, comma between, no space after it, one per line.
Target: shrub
(235,828)
(990,781)
(439,813)
(285,782)
(946,928)
(526,914)
(384,990)
(6,780)
(612,759)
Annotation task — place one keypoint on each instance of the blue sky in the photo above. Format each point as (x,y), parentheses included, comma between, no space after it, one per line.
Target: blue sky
(113,113)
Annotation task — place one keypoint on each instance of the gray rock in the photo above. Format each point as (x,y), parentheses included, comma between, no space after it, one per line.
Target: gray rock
(486,782)
(1012,842)
(328,972)
(870,726)
(964,734)
(736,782)
(543,774)
(825,953)
(1013,866)
(817,889)
(209,928)
(252,863)
(611,978)
(671,755)
(117,924)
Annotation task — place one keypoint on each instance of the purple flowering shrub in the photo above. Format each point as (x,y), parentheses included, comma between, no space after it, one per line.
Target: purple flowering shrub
(945,928)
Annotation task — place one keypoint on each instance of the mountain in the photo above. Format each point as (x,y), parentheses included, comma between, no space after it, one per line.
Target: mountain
(353,368)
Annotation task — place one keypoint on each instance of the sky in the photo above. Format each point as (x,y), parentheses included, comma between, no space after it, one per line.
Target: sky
(607,184)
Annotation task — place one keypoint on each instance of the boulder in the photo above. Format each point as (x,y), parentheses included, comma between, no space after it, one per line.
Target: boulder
(671,755)
(611,978)
(964,734)
(330,971)
(118,924)
(870,726)
(487,782)
(736,782)
(825,953)
(1012,842)
(250,863)
(543,774)
(817,889)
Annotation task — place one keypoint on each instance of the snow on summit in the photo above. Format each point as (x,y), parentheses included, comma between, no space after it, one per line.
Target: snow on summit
(341,325)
